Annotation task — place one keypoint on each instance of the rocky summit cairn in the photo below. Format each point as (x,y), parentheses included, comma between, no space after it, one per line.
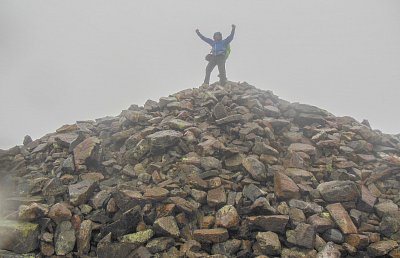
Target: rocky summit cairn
(215,171)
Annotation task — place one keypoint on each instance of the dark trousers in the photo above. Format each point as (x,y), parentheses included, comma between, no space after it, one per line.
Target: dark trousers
(216,60)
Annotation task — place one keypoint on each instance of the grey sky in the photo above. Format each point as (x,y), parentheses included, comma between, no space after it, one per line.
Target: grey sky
(62,61)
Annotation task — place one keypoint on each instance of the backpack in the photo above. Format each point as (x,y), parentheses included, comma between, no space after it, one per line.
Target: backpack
(227,51)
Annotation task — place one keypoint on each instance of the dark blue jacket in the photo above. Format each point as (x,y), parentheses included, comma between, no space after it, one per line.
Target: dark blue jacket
(218,47)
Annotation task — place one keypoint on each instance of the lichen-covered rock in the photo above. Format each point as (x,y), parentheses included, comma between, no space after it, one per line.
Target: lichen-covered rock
(64,238)
(19,237)
(140,237)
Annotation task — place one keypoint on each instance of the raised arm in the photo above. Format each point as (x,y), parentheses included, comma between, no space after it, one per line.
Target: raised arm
(230,37)
(208,40)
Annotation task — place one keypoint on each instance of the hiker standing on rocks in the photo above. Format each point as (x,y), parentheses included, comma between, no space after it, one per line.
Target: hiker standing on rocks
(219,53)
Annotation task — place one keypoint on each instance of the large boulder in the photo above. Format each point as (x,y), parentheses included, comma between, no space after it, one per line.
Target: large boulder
(339,191)
(19,237)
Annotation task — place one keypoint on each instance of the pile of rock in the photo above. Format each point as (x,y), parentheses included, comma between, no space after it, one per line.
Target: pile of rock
(229,171)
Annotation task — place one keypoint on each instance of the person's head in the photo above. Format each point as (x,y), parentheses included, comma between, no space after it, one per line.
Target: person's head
(217,36)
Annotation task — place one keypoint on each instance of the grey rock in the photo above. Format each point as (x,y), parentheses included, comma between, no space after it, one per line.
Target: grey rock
(255,168)
(64,238)
(333,235)
(339,191)
(252,192)
(269,243)
(303,236)
(163,139)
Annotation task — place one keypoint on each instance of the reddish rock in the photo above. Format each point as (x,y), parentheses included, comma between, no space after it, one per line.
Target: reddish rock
(284,187)
(85,150)
(215,235)
(156,193)
(59,212)
(342,218)
(216,197)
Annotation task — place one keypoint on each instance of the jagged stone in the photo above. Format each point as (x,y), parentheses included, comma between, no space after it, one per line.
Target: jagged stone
(85,151)
(166,226)
(255,168)
(227,217)
(284,187)
(123,225)
(252,192)
(320,222)
(342,218)
(382,247)
(268,243)
(80,192)
(216,197)
(303,236)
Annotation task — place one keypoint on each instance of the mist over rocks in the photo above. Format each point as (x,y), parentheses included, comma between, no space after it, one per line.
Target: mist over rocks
(230,171)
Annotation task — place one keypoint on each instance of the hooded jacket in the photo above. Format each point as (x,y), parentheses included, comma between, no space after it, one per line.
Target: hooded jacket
(218,47)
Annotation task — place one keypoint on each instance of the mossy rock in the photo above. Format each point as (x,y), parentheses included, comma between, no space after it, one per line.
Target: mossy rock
(18,237)
(140,237)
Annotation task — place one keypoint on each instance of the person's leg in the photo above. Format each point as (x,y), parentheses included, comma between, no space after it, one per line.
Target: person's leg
(221,68)
(210,66)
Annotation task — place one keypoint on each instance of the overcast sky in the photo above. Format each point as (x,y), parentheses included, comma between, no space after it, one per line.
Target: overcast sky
(62,61)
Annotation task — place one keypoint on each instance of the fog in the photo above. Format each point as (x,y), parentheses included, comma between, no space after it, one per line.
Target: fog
(62,61)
